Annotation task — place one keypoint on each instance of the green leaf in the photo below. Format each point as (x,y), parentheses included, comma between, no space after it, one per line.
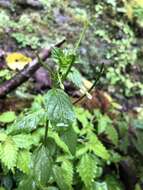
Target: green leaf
(95,145)
(138,187)
(59,141)
(75,77)
(51,188)
(113,183)
(81,150)
(23,161)
(138,141)
(63,57)
(87,169)
(28,184)
(83,116)
(7,181)
(115,157)
(7,117)
(112,134)
(137,123)
(59,107)
(1,188)
(42,165)
(3,136)
(9,153)
(70,138)
(100,186)
(23,140)
(103,122)
(58,176)
(37,135)
(67,173)
(28,122)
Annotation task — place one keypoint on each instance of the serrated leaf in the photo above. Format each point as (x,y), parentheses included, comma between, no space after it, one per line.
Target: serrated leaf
(83,116)
(97,147)
(28,184)
(81,150)
(28,122)
(59,141)
(23,161)
(138,141)
(9,153)
(37,135)
(42,165)
(63,57)
(58,176)
(75,77)
(23,140)
(7,117)
(103,122)
(67,173)
(115,157)
(87,169)
(70,138)
(112,134)
(3,136)
(59,107)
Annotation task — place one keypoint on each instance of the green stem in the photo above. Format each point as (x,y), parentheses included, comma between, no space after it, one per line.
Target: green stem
(81,37)
(44,65)
(46,132)
(69,68)
(75,50)
(94,84)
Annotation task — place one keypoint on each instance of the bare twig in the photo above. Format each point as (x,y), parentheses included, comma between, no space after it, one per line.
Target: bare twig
(26,73)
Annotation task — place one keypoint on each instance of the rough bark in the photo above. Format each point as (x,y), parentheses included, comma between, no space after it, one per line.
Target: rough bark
(26,73)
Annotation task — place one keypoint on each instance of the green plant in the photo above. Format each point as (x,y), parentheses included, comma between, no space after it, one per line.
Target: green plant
(26,40)
(48,146)
(65,154)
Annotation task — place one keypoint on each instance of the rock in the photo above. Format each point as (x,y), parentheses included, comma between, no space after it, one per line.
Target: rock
(5,4)
(30,3)
(42,79)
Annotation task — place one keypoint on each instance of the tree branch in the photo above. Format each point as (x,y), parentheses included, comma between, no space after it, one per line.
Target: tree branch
(26,73)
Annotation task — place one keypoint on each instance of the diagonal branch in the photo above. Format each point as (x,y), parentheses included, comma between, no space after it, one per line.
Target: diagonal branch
(26,73)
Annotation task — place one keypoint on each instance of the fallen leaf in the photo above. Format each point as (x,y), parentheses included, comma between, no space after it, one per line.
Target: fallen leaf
(17,61)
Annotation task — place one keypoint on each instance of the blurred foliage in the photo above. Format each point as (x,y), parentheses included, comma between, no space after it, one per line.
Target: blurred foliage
(111,37)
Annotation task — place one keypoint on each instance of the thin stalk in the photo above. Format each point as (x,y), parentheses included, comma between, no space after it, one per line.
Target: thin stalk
(81,37)
(44,65)
(75,50)
(94,84)
(69,68)
(46,132)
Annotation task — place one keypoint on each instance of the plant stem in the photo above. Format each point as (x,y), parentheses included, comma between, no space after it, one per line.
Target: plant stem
(46,132)
(75,50)
(81,37)
(94,84)
(69,68)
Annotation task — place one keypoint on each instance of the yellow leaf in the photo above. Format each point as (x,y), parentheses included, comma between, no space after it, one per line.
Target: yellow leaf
(17,61)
